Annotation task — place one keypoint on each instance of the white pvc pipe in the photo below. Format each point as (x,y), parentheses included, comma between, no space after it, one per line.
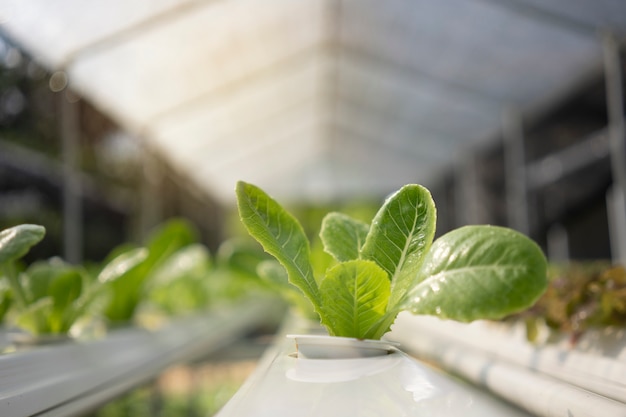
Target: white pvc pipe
(500,365)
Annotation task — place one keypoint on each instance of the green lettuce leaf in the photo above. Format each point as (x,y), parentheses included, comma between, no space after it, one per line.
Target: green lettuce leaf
(281,235)
(121,264)
(401,233)
(479,272)
(354,296)
(343,236)
(15,242)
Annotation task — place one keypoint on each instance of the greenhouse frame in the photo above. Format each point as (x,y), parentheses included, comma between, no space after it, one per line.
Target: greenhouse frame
(116,118)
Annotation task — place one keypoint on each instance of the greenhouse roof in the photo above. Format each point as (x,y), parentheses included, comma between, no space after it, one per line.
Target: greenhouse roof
(315,99)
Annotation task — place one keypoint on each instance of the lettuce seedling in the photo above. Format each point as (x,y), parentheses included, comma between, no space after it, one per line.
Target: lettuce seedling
(57,295)
(392,265)
(140,263)
(48,297)
(15,242)
(180,284)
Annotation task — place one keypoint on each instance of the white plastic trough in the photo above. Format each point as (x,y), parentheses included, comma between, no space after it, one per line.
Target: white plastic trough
(68,379)
(348,378)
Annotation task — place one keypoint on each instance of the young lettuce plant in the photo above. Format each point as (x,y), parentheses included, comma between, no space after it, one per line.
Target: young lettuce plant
(15,242)
(48,297)
(474,272)
(128,289)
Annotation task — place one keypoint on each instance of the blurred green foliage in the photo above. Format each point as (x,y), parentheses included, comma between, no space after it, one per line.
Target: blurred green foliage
(580,296)
(171,274)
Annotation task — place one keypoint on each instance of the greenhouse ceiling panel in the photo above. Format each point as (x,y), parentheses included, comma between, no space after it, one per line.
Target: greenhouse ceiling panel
(315,99)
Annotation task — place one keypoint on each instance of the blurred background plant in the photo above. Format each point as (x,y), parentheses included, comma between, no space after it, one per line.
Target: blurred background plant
(171,275)
(580,296)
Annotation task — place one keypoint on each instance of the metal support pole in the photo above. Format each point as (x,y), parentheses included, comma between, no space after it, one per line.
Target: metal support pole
(558,243)
(515,172)
(468,194)
(150,205)
(617,140)
(616,207)
(72,199)
(460,194)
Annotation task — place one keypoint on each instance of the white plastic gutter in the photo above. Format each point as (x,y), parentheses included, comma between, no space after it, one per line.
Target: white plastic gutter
(392,384)
(548,380)
(71,378)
